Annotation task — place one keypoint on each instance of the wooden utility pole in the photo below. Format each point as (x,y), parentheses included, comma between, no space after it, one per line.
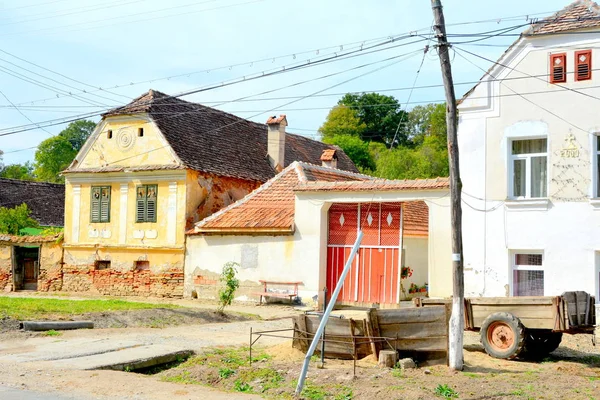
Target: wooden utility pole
(455,348)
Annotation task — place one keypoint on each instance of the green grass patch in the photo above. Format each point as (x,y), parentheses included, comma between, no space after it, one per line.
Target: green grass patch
(445,391)
(472,375)
(52,332)
(184,378)
(24,308)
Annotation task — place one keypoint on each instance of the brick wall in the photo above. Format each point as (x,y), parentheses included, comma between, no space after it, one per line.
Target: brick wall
(123,283)
(50,276)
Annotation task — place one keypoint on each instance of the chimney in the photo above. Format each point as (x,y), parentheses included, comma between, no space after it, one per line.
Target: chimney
(276,141)
(329,158)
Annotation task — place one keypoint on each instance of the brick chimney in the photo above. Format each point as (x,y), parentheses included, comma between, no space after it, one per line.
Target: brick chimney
(276,141)
(329,158)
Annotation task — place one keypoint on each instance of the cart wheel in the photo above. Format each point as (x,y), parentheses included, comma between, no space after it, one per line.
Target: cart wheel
(502,335)
(540,343)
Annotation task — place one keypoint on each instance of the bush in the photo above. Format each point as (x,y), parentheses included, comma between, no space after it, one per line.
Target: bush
(230,285)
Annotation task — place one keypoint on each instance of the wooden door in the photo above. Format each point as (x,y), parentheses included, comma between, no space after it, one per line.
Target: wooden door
(374,275)
(29,271)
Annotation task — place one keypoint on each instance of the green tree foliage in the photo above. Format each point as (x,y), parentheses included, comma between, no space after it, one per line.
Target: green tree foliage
(78,132)
(12,220)
(365,133)
(56,153)
(344,121)
(53,156)
(356,149)
(381,114)
(22,172)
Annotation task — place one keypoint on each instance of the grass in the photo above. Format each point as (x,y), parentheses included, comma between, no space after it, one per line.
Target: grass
(23,308)
(52,332)
(446,392)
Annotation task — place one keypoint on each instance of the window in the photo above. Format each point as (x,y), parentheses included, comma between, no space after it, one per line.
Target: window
(146,203)
(109,134)
(529,166)
(100,204)
(101,264)
(597,165)
(583,65)
(140,132)
(528,275)
(558,68)
(141,265)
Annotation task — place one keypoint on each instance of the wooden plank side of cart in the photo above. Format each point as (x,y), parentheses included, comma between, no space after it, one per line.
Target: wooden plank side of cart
(544,312)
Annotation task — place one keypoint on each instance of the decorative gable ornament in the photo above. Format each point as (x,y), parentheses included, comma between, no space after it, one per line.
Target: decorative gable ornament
(342,220)
(570,150)
(370,219)
(389,219)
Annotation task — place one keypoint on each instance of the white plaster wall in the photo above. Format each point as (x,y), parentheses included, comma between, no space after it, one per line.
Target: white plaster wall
(416,252)
(567,229)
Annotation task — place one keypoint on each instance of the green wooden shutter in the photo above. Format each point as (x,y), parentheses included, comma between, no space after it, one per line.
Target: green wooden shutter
(95,204)
(140,204)
(105,204)
(151,203)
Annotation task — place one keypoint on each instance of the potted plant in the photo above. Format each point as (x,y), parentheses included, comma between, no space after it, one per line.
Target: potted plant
(405,273)
(413,288)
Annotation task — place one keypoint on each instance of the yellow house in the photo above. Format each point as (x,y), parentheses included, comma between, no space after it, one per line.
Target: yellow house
(149,171)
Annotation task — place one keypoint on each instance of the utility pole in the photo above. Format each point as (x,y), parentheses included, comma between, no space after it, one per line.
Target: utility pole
(455,348)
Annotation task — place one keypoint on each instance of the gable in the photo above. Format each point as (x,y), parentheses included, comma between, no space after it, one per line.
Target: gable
(118,141)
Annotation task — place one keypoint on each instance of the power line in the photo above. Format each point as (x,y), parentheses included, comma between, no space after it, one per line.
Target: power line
(23,114)
(132,15)
(244,79)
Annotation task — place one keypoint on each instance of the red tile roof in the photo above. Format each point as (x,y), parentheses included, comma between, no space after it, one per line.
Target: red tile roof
(270,209)
(374,184)
(328,155)
(581,14)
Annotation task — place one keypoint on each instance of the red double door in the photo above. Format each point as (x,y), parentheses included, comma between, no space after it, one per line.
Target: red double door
(375,273)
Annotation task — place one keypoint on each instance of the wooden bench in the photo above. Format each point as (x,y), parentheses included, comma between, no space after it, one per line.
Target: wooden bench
(266,293)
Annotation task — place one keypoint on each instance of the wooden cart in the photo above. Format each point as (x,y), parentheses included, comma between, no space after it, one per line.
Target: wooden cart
(525,326)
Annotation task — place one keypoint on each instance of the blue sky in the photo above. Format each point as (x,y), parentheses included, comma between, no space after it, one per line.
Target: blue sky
(66,46)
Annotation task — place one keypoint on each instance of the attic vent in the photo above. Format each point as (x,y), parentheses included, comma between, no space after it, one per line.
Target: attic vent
(109,134)
(583,61)
(140,132)
(558,68)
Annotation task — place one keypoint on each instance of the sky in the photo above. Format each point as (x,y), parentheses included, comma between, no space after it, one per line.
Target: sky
(60,59)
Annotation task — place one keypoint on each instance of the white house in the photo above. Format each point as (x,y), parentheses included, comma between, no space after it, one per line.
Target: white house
(530,157)
(300,227)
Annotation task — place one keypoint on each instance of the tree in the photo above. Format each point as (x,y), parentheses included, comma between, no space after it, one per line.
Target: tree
(382,116)
(78,132)
(428,120)
(356,149)
(342,120)
(22,172)
(12,220)
(53,156)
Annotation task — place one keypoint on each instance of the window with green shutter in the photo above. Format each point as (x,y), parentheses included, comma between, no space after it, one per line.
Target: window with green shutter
(146,203)
(100,204)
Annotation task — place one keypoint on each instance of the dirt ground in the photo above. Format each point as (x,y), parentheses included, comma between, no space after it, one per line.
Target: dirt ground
(571,372)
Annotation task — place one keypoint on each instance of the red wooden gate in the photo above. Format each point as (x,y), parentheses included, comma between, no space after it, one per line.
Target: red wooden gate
(375,273)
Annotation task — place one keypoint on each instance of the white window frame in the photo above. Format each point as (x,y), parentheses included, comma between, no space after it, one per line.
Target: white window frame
(514,267)
(527,157)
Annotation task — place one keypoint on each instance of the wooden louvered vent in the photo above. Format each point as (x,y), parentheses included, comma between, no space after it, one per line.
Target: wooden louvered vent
(558,68)
(583,61)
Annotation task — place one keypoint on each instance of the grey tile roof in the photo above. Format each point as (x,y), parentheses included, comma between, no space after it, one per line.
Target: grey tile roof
(214,141)
(45,200)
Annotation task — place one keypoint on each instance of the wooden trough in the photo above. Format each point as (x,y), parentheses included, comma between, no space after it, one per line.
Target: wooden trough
(419,333)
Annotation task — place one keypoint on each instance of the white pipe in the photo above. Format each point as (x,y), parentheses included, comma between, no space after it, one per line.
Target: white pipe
(328,310)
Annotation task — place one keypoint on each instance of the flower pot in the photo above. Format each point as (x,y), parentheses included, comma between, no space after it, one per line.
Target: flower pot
(423,290)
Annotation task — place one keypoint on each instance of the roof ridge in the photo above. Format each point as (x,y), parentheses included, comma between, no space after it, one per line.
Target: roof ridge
(336,170)
(248,197)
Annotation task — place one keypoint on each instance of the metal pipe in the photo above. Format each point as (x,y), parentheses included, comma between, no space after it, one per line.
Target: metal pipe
(323,337)
(328,310)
